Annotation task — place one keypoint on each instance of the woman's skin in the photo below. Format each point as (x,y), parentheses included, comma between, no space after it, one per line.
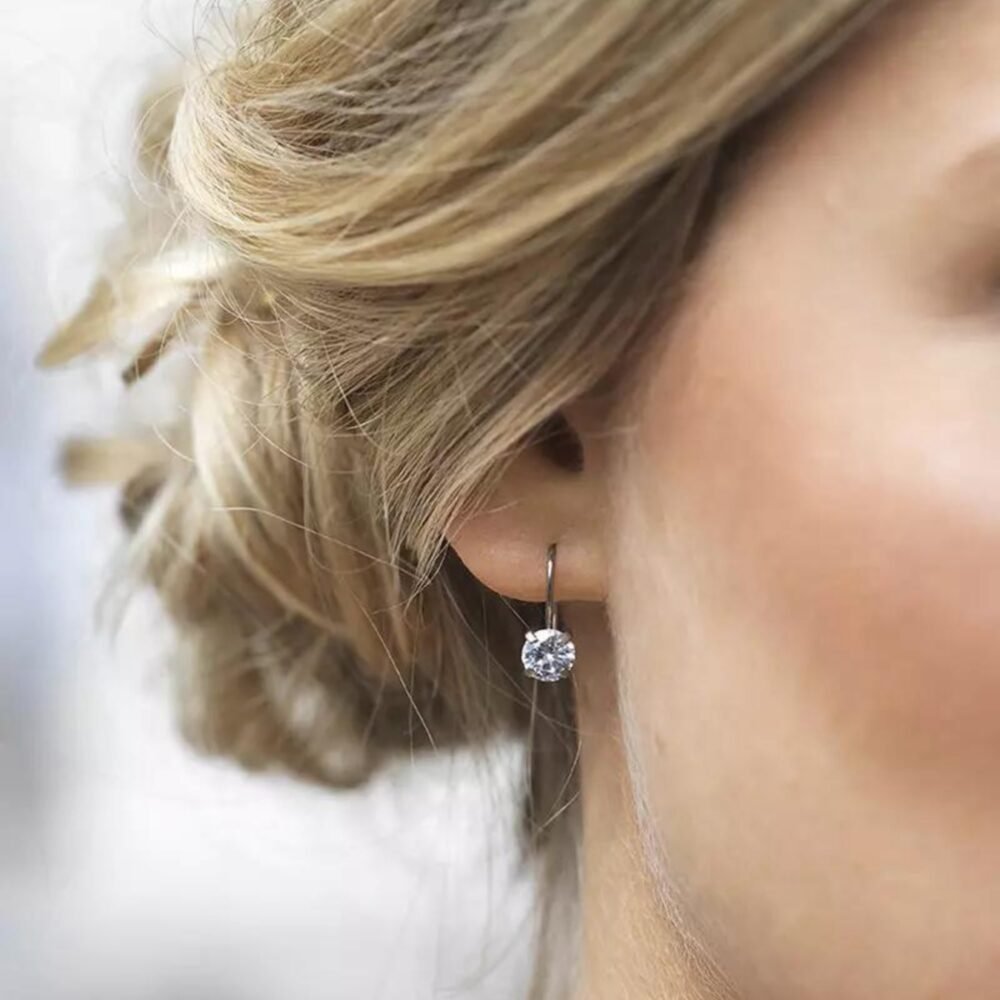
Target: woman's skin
(783,570)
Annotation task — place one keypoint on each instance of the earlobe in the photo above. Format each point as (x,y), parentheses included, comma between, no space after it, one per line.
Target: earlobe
(536,502)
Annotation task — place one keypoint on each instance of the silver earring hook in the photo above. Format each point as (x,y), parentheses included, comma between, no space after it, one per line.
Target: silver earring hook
(549,653)
(550,587)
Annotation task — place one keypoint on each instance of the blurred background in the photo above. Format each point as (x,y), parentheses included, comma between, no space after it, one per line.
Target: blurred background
(130,869)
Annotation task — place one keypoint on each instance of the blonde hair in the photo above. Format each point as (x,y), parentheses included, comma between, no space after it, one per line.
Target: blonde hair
(396,237)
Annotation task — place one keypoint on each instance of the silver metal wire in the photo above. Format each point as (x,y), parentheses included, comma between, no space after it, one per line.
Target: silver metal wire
(550,587)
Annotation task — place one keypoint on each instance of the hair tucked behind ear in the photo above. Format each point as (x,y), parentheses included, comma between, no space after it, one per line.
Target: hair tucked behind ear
(395,237)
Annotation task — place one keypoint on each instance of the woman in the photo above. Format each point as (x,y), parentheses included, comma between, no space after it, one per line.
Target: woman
(680,314)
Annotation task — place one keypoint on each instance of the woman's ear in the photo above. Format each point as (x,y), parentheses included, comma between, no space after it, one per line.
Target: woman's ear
(554,490)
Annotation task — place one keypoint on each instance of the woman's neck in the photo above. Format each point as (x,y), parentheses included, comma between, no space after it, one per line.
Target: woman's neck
(629,948)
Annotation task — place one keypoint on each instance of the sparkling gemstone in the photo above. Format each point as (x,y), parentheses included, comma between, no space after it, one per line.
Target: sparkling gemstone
(548,654)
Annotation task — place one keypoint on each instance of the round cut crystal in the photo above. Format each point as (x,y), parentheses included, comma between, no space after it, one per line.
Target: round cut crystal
(548,654)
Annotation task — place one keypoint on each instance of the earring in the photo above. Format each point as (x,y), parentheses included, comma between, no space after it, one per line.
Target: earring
(548,654)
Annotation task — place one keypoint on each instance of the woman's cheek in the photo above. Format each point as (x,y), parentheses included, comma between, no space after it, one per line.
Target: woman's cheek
(889,575)
(846,501)
(810,604)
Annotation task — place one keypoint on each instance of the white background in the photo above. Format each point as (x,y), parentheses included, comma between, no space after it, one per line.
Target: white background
(129,869)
